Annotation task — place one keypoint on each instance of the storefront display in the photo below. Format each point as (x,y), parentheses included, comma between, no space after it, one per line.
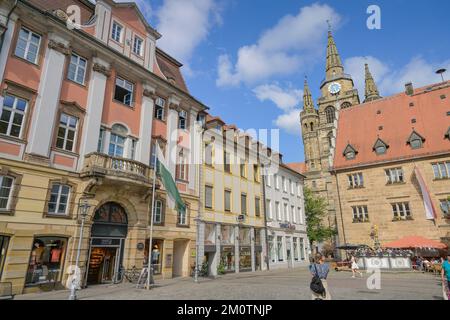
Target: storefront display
(46,260)
(227,235)
(4,241)
(227,259)
(210,234)
(244,236)
(245,259)
(102,264)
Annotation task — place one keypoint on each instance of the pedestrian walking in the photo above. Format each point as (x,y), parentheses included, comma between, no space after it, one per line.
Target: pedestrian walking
(445,274)
(355,267)
(319,270)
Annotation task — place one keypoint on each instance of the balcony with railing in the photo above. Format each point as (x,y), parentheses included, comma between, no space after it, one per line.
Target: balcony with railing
(116,168)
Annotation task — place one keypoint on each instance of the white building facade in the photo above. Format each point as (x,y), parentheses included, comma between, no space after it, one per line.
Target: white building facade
(287,240)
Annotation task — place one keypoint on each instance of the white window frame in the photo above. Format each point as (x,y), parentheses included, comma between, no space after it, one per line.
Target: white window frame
(207,187)
(441,168)
(182,172)
(360,213)
(269,208)
(116,144)
(294,215)
(403,210)
(78,67)
(300,215)
(58,199)
(122,83)
(160,104)
(67,128)
(356,180)
(277,181)
(158,204)
(114,32)
(278,209)
(11,190)
(227,191)
(284,183)
(182,218)
(268,181)
(140,48)
(182,120)
(285,212)
(395,175)
(27,47)
(13,110)
(292,186)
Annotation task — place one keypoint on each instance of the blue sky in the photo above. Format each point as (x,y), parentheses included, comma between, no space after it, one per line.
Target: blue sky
(247,59)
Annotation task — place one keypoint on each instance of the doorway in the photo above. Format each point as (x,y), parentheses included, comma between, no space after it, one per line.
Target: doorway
(108,234)
(180,258)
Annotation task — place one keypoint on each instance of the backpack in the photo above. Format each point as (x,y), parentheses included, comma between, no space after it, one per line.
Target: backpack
(316,285)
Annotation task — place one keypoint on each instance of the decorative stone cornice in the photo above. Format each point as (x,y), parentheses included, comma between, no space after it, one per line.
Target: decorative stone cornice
(102,69)
(60,47)
(149,94)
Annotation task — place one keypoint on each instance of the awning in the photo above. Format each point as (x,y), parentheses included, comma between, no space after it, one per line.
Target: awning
(415,242)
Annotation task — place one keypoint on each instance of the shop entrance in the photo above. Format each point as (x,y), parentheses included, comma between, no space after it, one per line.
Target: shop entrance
(108,235)
(180,258)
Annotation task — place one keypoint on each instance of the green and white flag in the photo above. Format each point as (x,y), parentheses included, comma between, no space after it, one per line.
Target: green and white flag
(168,181)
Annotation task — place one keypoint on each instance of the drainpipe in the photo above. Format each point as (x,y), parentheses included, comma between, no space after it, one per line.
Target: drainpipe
(2,37)
(200,206)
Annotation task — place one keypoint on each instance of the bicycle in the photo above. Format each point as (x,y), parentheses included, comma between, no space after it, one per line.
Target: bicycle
(132,275)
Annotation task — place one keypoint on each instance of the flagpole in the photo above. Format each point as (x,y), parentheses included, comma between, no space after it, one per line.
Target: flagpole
(152,210)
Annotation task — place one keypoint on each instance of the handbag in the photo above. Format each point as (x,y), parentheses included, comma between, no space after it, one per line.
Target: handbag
(316,285)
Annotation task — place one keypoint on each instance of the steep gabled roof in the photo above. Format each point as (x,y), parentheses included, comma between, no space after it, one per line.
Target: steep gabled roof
(390,120)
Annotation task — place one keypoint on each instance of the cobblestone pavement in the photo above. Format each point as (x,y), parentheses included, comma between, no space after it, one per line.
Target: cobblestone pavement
(271,285)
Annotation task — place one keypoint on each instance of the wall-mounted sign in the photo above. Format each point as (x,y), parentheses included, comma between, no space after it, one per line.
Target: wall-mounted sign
(289,226)
(168,263)
(140,246)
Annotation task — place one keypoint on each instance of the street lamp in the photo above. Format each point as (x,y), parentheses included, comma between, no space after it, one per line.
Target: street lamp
(83,209)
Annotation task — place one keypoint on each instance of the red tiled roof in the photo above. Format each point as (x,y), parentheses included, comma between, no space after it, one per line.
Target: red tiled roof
(300,167)
(393,120)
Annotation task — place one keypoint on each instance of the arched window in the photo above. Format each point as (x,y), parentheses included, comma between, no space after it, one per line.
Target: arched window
(312,126)
(110,220)
(117,141)
(330,114)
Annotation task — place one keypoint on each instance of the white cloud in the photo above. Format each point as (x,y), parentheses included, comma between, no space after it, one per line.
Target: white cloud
(292,43)
(391,80)
(290,122)
(184,25)
(283,99)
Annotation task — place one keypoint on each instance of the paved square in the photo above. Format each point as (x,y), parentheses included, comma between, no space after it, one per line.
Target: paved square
(272,285)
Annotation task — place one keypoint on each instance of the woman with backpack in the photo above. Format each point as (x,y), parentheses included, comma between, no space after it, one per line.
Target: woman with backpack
(319,286)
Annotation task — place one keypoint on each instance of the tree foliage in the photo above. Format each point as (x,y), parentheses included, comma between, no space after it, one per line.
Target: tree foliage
(316,211)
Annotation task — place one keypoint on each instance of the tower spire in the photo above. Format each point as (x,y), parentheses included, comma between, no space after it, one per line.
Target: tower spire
(371,87)
(334,64)
(308,104)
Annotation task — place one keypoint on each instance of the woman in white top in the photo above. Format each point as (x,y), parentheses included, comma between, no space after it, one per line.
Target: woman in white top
(355,268)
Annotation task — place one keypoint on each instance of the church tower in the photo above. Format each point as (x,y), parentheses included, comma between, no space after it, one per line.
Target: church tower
(310,127)
(372,92)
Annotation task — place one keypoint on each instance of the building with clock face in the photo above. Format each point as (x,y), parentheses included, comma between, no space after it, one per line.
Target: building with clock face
(319,124)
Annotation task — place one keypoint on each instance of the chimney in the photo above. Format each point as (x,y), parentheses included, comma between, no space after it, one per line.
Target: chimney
(409,89)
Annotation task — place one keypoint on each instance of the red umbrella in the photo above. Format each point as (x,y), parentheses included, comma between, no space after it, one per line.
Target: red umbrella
(415,242)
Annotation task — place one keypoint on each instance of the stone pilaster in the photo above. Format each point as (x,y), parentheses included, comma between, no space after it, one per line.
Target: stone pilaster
(236,249)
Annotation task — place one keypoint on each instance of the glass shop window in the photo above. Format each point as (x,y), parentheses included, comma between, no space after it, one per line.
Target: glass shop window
(46,260)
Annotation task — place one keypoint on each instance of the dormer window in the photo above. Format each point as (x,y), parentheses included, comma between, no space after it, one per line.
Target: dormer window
(350,152)
(447,134)
(138,45)
(380,147)
(116,33)
(415,140)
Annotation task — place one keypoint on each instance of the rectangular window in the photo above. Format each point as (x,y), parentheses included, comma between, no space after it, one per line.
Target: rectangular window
(158,214)
(133,149)
(116,34)
(355,180)
(269,212)
(295,241)
(280,248)
(401,211)
(256,172)
(292,187)
(360,214)
(242,168)
(445,207)
(59,198)
(299,190)
(208,197)
(182,120)
(272,251)
(268,181)
(153,154)
(209,153)
(227,196)
(277,181)
(46,261)
(12,116)
(101,137)
(182,217)
(116,145)
(257,206)
(300,215)
(66,132)
(6,185)
(182,167)
(278,209)
(137,46)
(394,176)
(159,108)
(124,91)
(4,241)
(243,204)
(77,69)
(226,162)
(283,179)
(441,170)
(286,212)
(294,216)
(28,45)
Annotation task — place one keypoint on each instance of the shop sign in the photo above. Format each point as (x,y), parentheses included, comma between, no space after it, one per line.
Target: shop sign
(289,226)
(106,242)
